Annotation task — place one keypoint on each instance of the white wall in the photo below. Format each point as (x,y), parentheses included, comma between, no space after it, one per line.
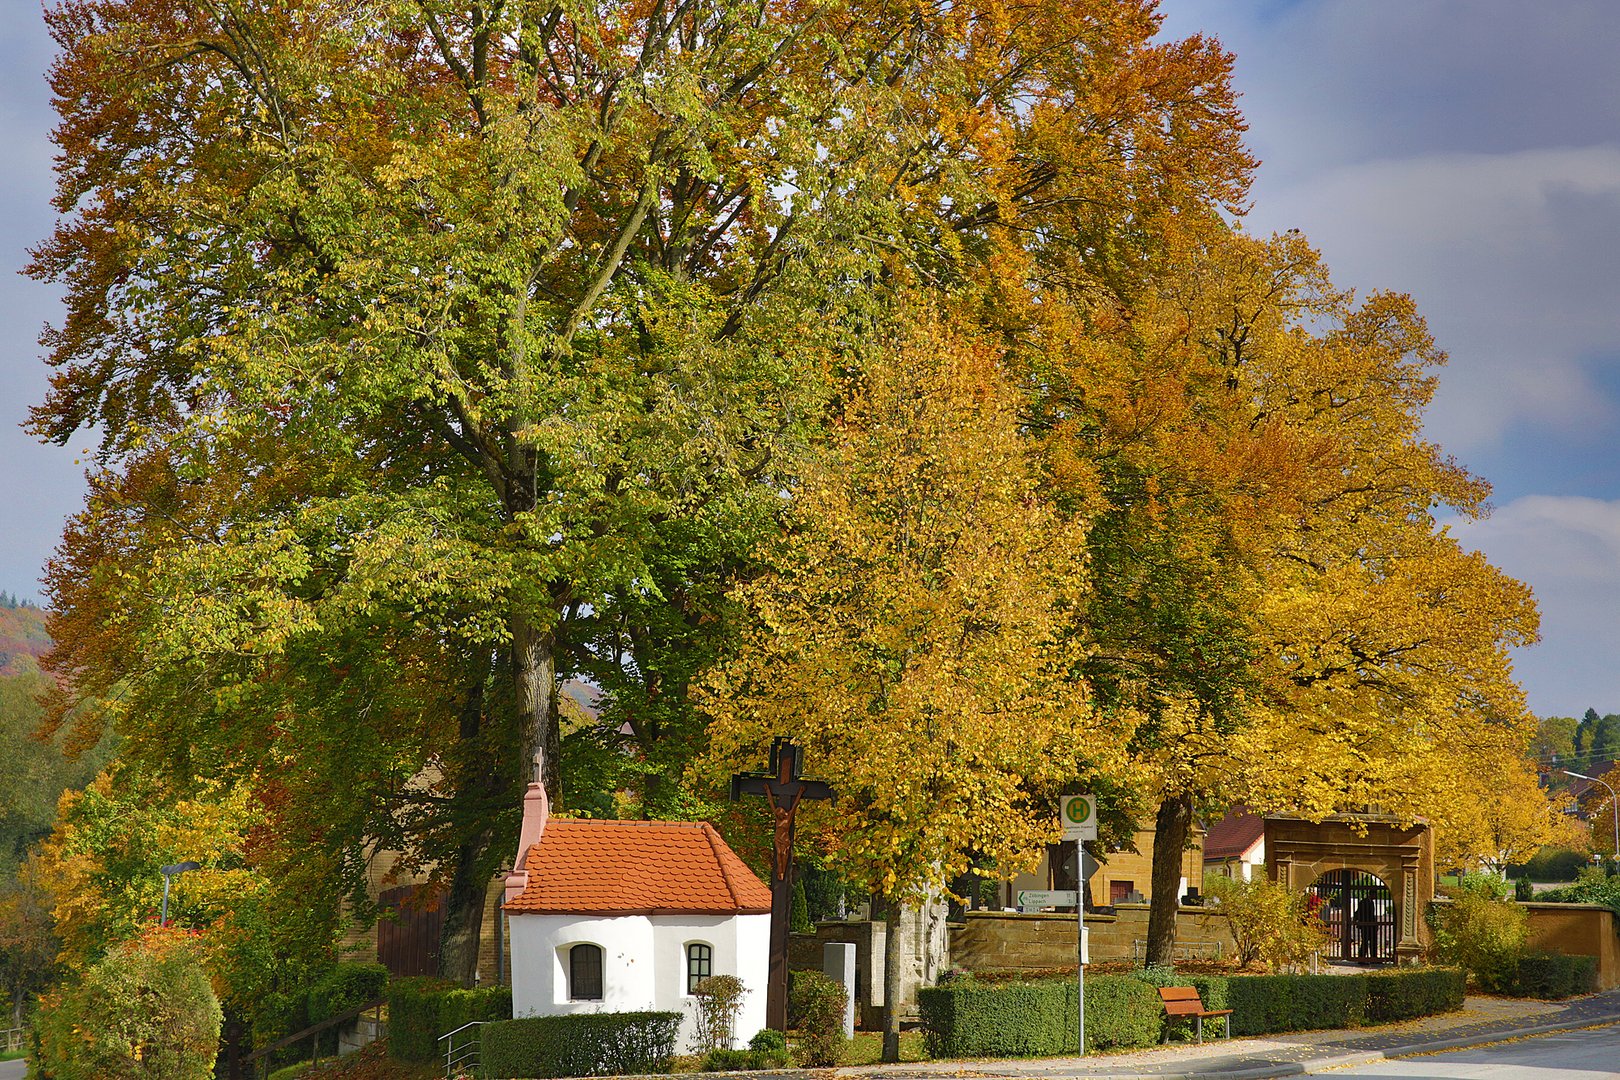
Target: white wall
(643,963)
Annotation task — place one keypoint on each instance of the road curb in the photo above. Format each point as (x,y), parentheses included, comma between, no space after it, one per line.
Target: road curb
(1364,1057)
(1372,1056)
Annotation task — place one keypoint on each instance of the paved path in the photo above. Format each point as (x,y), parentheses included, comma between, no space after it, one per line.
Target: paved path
(1480,1020)
(1586,1054)
(13,1070)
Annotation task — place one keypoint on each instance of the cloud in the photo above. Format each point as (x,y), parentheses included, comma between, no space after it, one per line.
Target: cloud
(1515,256)
(1568,549)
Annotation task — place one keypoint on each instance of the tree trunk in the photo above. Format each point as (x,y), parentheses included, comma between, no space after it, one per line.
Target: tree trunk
(478,782)
(891,980)
(464,916)
(1170,830)
(534,662)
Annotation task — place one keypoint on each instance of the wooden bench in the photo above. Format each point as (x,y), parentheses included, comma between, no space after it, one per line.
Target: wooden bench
(1184,1001)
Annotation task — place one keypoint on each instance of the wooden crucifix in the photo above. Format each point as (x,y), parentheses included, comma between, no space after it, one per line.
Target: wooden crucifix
(785,789)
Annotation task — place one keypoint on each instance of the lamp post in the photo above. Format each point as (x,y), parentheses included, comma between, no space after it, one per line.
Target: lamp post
(1614,802)
(172,872)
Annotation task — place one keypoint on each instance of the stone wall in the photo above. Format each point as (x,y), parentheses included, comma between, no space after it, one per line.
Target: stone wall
(1578,930)
(1005,941)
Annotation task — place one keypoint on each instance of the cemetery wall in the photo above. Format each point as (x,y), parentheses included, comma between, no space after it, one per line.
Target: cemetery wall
(1578,930)
(1006,941)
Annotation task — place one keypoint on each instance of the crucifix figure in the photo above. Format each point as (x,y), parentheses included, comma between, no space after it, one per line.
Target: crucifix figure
(785,789)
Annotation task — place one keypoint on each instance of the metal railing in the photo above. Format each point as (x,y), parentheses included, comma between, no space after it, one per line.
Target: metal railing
(461,1057)
(259,1059)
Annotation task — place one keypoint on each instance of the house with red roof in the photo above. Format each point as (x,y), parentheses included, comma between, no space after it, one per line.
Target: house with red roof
(1236,845)
(622,916)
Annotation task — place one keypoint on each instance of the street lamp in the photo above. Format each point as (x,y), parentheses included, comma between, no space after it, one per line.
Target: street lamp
(171,872)
(1614,801)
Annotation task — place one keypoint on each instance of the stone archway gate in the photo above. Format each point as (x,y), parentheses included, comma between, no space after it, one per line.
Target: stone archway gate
(1299,852)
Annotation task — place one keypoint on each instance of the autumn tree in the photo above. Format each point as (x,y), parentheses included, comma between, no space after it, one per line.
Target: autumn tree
(910,631)
(437,350)
(1273,594)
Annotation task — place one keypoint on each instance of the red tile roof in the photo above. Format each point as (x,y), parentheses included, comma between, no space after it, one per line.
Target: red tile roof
(1234,835)
(587,867)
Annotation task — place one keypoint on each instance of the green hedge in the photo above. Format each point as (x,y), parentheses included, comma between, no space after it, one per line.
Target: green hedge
(965,1018)
(582,1044)
(1407,993)
(968,1018)
(420,1010)
(1554,975)
(1266,1003)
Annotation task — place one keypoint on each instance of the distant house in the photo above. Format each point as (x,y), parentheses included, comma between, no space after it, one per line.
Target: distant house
(619,916)
(1119,876)
(1235,846)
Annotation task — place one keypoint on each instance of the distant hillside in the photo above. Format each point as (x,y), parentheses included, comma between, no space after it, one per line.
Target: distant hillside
(22,636)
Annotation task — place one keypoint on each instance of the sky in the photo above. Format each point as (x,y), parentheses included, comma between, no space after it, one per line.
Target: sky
(1464,151)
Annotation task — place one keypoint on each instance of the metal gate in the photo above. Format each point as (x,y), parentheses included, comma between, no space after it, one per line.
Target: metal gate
(1359,914)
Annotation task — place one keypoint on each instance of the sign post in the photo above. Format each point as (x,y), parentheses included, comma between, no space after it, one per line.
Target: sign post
(1079,816)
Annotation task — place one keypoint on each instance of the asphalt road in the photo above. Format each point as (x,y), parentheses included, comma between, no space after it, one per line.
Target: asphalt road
(1593,1054)
(13,1070)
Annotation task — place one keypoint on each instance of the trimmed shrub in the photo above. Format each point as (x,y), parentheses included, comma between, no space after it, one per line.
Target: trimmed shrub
(770,1049)
(581,1044)
(1120,1012)
(1554,975)
(819,1001)
(973,1019)
(420,1010)
(1266,1003)
(1407,993)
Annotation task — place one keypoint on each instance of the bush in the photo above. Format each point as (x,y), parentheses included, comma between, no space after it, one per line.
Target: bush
(580,1044)
(1554,864)
(1553,975)
(766,1050)
(975,1019)
(818,1001)
(1270,922)
(92,1031)
(718,997)
(1480,933)
(728,1061)
(345,986)
(1593,885)
(420,1010)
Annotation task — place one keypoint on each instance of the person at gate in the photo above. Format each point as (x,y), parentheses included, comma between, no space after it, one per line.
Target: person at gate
(1367,929)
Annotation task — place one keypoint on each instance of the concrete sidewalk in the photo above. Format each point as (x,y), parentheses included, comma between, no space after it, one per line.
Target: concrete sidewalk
(1481,1020)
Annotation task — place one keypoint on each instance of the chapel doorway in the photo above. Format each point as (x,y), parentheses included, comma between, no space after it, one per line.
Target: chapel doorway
(1359,913)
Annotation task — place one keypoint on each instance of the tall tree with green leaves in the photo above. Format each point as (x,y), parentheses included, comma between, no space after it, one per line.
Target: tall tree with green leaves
(436,349)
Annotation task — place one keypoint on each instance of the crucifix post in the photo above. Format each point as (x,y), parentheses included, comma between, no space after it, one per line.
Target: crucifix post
(785,789)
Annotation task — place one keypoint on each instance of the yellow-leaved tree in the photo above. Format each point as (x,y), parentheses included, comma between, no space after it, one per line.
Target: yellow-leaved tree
(912,631)
(1274,596)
